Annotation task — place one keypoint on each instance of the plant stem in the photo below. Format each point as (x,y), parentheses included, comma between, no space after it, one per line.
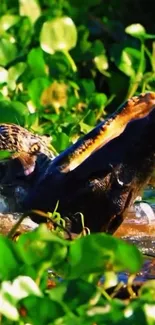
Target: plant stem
(71,61)
(137,79)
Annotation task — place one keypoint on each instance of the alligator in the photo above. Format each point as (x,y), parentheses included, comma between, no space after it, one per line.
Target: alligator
(101,174)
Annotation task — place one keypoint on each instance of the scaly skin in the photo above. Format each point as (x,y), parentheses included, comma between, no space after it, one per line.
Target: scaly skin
(24,144)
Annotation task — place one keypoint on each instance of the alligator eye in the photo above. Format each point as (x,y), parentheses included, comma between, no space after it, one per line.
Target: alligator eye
(35,148)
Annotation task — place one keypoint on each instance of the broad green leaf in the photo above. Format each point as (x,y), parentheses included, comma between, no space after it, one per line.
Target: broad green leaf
(13,112)
(8,21)
(127,59)
(36,62)
(97,253)
(3,75)
(59,65)
(87,87)
(8,51)
(8,258)
(136,30)
(36,88)
(59,34)
(101,62)
(73,293)
(62,141)
(41,310)
(41,246)
(14,73)
(98,100)
(30,8)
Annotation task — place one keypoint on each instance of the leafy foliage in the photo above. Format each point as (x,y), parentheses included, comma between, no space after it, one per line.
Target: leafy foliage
(61,66)
(64,65)
(80,264)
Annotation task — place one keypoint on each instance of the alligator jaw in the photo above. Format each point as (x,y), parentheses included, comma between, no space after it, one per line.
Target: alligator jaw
(135,108)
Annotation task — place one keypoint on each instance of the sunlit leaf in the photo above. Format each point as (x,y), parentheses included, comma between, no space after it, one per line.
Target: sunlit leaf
(98,252)
(8,51)
(3,75)
(136,30)
(101,62)
(13,112)
(14,73)
(36,62)
(30,8)
(42,310)
(8,21)
(58,34)
(36,88)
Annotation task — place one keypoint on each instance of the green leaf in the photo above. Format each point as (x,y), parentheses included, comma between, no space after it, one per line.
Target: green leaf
(36,88)
(59,65)
(42,246)
(126,59)
(99,252)
(135,30)
(101,62)
(8,51)
(8,21)
(14,73)
(73,293)
(8,258)
(62,141)
(98,101)
(3,75)
(13,112)
(36,62)
(41,310)
(59,34)
(87,87)
(30,8)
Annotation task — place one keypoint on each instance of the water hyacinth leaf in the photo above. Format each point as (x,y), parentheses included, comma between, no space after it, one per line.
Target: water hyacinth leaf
(8,21)
(9,258)
(13,112)
(36,62)
(59,34)
(46,312)
(36,88)
(101,62)
(136,30)
(97,252)
(126,59)
(61,142)
(98,100)
(3,75)
(42,246)
(73,293)
(30,8)
(8,51)
(14,73)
